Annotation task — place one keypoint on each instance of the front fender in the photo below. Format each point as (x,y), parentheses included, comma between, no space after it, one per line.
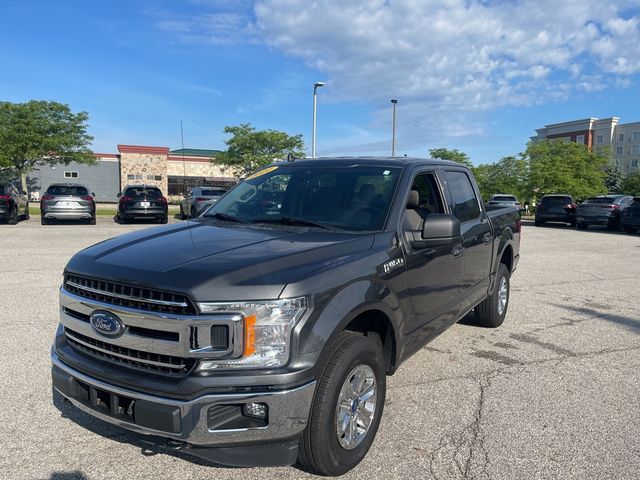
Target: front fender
(340,309)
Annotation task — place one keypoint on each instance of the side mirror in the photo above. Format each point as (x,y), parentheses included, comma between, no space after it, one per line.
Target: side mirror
(93,194)
(119,194)
(438,230)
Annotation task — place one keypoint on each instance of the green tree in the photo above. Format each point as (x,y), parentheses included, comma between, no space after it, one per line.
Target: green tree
(249,149)
(565,167)
(451,154)
(509,175)
(41,132)
(613,178)
(631,184)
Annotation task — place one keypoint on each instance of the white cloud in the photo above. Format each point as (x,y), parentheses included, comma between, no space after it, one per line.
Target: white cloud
(450,60)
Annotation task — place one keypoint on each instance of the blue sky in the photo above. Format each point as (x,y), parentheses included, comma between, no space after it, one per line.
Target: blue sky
(476,75)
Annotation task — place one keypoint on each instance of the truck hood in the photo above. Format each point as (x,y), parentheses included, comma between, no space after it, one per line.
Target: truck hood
(211,262)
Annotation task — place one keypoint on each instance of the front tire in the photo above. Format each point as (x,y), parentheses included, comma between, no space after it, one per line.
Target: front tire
(491,312)
(347,406)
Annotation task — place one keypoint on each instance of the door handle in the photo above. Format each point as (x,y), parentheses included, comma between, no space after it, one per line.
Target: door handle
(457,250)
(486,238)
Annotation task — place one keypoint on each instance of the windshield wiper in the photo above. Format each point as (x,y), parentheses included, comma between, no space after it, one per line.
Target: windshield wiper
(292,221)
(224,216)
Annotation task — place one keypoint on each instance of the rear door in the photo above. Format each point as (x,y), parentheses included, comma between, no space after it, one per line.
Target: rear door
(477,236)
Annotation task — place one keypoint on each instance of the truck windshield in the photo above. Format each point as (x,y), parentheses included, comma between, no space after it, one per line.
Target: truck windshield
(355,198)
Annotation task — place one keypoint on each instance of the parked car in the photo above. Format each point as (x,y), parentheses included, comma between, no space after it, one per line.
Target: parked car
(142,202)
(630,218)
(251,338)
(556,208)
(504,200)
(602,210)
(14,205)
(67,201)
(199,199)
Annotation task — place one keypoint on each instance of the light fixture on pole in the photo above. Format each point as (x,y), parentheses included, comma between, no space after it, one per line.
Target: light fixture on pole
(315,107)
(393,128)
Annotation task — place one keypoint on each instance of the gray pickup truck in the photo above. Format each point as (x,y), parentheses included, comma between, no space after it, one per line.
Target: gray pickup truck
(262,332)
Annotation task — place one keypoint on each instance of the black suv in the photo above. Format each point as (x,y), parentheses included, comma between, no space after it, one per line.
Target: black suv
(556,208)
(13,203)
(142,202)
(602,210)
(630,218)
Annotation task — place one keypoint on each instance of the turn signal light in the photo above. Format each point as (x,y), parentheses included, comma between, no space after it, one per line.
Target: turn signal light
(249,335)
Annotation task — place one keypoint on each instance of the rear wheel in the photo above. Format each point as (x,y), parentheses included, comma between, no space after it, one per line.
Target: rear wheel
(630,229)
(27,215)
(13,219)
(44,221)
(92,220)
(493,309)
(583,226)
(193,212)
(347,406)
(538,222)
(164,220)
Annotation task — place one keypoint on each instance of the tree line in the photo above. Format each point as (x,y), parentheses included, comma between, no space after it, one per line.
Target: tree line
(44,132)
(548,167)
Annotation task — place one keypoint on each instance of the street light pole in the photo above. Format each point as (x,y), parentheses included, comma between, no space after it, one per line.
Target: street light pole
(393,128)
(315,108)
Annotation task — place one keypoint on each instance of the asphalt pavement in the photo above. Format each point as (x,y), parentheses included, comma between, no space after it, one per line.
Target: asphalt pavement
(552,394)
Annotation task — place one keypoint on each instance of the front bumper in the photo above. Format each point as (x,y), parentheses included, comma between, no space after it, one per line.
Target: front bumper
(184,421)
(633,222)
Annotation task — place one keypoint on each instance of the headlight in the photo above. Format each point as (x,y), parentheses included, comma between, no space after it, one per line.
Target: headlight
(267,332)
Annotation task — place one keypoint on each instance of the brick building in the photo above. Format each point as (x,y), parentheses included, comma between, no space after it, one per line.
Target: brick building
(622,139)
(174,171)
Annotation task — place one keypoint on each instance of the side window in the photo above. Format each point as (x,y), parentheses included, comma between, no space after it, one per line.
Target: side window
(463,198)
(429,201)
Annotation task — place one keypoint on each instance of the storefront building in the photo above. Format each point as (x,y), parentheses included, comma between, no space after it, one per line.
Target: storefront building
(175,172)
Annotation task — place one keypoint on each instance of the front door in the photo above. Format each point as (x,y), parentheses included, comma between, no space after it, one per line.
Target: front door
(433,274)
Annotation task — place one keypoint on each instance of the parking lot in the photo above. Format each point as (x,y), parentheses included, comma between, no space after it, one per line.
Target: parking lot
(553,393)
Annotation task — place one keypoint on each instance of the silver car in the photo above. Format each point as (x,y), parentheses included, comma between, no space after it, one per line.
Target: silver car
(67,201)
(198,200)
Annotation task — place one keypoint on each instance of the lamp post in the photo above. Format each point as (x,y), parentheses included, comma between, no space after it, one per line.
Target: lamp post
(315,108)
(393,128)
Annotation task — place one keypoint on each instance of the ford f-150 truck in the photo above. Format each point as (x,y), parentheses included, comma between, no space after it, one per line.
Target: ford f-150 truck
(262,332)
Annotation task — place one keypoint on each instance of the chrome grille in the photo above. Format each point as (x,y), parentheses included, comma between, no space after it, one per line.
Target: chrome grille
(136,359)
(129,296)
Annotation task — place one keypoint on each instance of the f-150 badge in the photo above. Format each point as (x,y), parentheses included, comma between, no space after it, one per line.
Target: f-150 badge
(392,264)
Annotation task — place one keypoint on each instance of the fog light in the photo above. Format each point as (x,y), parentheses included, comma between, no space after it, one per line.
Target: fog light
(255,410)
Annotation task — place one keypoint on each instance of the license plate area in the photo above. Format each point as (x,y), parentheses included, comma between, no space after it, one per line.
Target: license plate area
(67,205)
(145,204)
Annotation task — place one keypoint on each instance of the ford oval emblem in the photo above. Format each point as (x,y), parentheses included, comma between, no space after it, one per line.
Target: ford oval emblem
(106,323)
